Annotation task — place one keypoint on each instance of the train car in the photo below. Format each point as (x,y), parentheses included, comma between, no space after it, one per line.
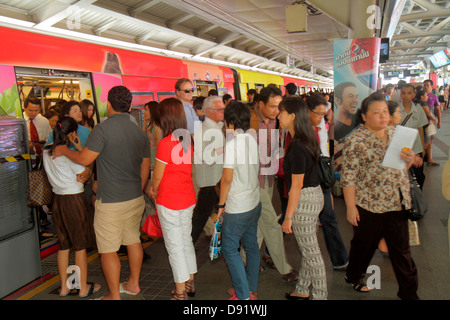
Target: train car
(55,68)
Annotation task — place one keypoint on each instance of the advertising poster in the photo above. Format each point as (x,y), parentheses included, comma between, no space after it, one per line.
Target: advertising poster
(355,77)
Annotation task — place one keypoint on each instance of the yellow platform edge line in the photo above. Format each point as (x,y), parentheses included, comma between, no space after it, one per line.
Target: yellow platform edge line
(30,294)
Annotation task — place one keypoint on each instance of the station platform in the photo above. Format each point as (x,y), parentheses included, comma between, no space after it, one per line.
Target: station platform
(213,280)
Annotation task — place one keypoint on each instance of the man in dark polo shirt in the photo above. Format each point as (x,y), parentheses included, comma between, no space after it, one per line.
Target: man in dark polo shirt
(122,152)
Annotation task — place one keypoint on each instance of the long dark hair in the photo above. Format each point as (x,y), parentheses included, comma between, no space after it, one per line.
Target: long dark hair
(84,106)
(153,108)
(303,127)
(172,118)
(62,129)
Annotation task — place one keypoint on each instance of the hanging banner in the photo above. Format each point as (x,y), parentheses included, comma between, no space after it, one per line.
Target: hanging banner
(355,77)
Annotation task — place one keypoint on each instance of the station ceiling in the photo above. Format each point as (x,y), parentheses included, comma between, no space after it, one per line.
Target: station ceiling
(249,33)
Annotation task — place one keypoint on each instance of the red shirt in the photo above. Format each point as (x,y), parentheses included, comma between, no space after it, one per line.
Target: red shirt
(176,190)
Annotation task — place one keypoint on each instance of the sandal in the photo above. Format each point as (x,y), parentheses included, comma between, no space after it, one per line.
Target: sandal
(190,288)
(268,260)
(290,277)
(92,289)
(179,296)
(358,286)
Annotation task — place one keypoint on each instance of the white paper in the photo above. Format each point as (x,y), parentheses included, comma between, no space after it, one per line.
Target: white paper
(404,137)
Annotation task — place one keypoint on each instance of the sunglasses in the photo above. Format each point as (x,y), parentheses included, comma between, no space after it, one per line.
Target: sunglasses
(188,90)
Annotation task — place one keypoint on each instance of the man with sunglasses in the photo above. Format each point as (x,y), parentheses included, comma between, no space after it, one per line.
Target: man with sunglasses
(184,89)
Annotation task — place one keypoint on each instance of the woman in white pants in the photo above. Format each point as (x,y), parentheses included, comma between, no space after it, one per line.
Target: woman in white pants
(175,195)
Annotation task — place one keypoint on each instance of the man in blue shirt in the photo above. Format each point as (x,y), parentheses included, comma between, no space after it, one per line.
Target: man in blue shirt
(184,89)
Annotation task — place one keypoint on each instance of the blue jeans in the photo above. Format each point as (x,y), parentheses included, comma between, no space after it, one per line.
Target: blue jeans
(237,229)
(335,245)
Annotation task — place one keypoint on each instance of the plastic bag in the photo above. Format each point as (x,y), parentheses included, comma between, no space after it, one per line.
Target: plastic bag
(215,246)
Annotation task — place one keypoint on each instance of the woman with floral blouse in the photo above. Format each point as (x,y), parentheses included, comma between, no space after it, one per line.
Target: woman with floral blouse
(377,198)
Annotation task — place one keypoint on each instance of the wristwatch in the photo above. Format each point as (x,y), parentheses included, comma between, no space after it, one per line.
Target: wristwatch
(220,206)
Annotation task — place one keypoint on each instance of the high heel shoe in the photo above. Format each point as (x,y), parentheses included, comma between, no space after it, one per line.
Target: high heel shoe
(190,288)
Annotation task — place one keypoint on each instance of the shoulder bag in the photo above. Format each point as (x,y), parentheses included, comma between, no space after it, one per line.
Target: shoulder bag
(39,188)
(326,172)
(419,205)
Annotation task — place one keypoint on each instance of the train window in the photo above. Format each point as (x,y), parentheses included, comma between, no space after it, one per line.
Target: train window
(165,94)
(141,98)
(203,87)
(259,86)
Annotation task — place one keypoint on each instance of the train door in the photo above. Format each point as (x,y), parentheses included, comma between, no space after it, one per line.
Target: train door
(50,86)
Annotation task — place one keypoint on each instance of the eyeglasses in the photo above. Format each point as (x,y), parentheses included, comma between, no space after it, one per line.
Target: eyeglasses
(319,114)
(188,90)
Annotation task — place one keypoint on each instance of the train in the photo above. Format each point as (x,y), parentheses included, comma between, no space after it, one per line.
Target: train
(53,68)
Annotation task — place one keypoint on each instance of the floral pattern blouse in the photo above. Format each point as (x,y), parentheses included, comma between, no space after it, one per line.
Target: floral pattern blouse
(378,189)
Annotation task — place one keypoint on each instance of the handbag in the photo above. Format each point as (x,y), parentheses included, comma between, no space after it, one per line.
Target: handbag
(215,245)
(419,205)
(152,226)
(326,172)
(39,188)
(431,130)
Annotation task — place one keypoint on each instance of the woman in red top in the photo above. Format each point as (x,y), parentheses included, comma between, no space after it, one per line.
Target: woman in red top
(175,195)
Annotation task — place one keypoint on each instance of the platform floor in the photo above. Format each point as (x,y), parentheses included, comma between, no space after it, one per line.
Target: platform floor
(213,280)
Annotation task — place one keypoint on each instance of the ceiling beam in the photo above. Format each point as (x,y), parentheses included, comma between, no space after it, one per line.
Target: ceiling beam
(49,15)
(144,5)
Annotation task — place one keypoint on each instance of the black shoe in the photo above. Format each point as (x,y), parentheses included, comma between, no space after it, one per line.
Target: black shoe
(291,297)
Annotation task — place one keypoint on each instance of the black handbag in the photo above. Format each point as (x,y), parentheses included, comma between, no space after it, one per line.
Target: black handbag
(419,205)
(326,172)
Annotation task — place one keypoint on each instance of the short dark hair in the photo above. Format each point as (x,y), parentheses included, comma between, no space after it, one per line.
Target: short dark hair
(315,100)
(365,104)
(68,106)
(409,85)
(392,106)
(430,81)
(251,91)
(339,90)
(32,100)
(226,97)
(291,88)
(213,92)
(419,94)
(237,114)
(400,84)
(198,103)
(120,98)
(269,91)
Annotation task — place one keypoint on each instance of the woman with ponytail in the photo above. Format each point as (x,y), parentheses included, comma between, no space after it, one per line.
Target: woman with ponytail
(70,208)
(305,197)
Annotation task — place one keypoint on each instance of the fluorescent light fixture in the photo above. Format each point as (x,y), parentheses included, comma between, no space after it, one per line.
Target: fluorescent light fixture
(16,22)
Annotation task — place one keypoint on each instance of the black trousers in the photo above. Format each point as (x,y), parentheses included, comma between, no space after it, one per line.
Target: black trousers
(206,201)
(393,226)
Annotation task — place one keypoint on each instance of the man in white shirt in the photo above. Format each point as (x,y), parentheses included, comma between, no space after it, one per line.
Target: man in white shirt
(184,89)
(37,125)
(208,159)
(38,129)
(417,120)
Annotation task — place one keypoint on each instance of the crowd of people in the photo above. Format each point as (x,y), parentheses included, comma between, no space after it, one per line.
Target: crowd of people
(196,157)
